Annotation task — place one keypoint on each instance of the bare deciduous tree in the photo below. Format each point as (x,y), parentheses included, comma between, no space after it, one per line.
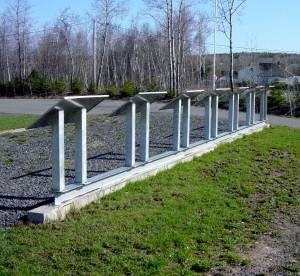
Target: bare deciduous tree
(150,57)
(106,12)
(228,9)
(19,15)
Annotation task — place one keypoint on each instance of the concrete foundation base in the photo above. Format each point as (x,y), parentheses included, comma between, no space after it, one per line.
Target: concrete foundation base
(12,131)
(82,195)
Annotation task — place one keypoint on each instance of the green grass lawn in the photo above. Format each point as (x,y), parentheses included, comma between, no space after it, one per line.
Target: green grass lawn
(15,121)
(184,220)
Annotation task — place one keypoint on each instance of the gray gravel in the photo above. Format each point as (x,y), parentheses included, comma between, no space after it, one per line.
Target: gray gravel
(25,165)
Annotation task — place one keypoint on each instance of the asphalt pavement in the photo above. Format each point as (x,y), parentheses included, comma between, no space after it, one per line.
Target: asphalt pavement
(39,106)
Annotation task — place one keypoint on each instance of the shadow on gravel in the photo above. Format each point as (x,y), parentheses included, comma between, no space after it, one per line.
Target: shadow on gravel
(108,156)
(20,203)
(34,173)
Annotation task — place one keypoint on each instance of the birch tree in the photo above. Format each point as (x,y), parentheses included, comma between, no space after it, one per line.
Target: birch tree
(19,15)
(106,11)
(228,10)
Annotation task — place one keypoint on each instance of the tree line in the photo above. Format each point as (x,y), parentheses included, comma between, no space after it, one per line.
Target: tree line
(98,54)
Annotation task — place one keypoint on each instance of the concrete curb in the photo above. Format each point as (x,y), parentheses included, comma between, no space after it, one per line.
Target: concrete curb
(12,131)
(95,191)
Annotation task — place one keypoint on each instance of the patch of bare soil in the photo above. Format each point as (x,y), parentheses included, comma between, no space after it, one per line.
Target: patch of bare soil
(272,254)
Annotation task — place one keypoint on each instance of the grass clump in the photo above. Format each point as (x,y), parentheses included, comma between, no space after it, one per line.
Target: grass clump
(202,266)
(8,122)
(184,220)
(231,258)
(19,139)
(293,267)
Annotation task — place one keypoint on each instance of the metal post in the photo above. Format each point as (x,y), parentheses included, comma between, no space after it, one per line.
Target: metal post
(58,151)
(176,125)
(231,113)
(144,140)
(186,121)
(265,105)
(80,147)
(248,109)
(130,136)
(262,106)
(236,111)
(207,118)
(252,107)
(214,116)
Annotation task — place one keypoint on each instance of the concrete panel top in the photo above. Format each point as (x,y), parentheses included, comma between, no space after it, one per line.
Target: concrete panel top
(186,95)
(152,96)
(260,87)
(227,91)
(69,105)
(194,93)
(139,99)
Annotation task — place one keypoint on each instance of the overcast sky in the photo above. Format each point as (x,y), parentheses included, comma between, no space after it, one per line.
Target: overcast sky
(263,24)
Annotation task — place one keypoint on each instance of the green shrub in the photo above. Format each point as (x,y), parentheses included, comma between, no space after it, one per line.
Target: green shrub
(111,90)
(152,87)
(45,85)
(9,87)
(170,95)
(129,90)
(277,102)
(34,84)
(77,87)
(2,89)
(60,85)
(93,89)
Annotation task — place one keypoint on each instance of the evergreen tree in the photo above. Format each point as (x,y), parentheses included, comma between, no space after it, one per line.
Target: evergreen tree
(129,90)
(111,90)
(60,85)
(77,87)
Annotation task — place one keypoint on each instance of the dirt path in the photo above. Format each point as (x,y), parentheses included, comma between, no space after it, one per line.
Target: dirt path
(277,254)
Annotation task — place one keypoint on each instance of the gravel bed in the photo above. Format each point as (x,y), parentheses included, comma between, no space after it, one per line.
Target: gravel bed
(25,164)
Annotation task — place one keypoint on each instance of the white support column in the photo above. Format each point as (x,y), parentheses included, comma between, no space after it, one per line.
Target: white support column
(176,124)
(236,111)
(145,123)
(262,106)
(186,121)
(130,136)
(248,109)
(252,107)
(58,151)
(207,118)
(265,105)
(80,147)
(214,116)
(231,113)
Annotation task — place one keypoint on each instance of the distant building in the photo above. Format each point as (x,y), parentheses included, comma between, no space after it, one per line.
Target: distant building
(248,74)
(295,80)
(264,73)
(270,72)
(259,68)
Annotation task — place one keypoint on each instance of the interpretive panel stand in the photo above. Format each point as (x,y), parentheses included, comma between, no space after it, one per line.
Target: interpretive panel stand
(68,110)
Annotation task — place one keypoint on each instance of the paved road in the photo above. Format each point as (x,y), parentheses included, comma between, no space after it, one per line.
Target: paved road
(37,107)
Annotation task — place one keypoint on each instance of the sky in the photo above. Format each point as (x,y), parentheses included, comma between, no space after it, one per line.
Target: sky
(263,24)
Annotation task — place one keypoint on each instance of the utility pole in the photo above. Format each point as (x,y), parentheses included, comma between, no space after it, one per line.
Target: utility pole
(94,52)
(215,39)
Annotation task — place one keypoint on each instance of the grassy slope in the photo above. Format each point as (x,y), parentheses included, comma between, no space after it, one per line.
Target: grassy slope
(184,220)
(15,121)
